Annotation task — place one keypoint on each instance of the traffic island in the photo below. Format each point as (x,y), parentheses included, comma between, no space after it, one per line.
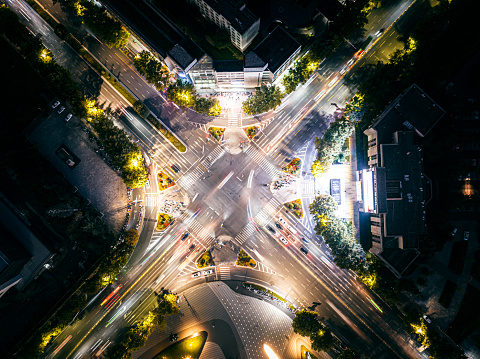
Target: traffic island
(293,167)
(205,260)
(244,260)
(216,132)
(296,207)
(190,347)
(164,181)
(251,131)
(164,220)
(234,140)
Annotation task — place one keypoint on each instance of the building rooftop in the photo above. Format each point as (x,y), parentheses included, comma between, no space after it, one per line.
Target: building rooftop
(186,54)
(412,110)
(276,48)
(236,12)
(403,165)
(329,8)
(228,65)
(251,60)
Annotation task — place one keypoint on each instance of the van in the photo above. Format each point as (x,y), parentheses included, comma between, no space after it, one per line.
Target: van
(292,229)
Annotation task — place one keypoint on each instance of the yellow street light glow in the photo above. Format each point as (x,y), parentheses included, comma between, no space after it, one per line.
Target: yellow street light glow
(270,353)
(134,163)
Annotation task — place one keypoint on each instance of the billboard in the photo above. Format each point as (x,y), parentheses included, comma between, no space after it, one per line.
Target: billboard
(335,190)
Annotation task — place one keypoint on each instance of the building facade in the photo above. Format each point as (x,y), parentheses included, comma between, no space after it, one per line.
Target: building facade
(234,17)
(394,188)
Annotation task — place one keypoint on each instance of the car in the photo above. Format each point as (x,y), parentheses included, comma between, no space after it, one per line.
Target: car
(196,274)
(61,109)
(279,226)
(304,240)
(379,33)
(56,104)
(207,272)
(185,235)
(454,232)
(427,319)
(283,240)
(191,248)
(175,168)
(466,234)
(304,250)
(281,220)
(147,184)
(173,338)
(271,229)
(69,116)
(291,229)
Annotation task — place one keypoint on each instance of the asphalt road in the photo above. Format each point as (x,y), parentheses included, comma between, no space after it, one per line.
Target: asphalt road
(224,196)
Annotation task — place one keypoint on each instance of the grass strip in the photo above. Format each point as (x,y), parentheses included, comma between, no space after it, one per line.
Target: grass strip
(165,131)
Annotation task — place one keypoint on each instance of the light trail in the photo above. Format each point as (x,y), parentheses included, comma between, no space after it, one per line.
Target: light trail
(121,311)
(111,294)
(61,345)
(225,180)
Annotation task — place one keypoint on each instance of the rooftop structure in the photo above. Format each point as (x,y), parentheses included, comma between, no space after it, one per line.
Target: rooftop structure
(233,16)
(393,188)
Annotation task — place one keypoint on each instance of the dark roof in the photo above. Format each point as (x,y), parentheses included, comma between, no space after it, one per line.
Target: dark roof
(329,8)
(147,22)
(276,48)
(413,110)
(186,53)
(398,260)
(381,192)
(251,60)
(404,188)
(235,12)
(228,65)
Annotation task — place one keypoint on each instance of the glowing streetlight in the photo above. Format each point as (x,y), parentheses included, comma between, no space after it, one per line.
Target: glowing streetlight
(270,353)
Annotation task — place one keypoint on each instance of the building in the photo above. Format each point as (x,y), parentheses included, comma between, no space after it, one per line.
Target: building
(233,16)
(394,189)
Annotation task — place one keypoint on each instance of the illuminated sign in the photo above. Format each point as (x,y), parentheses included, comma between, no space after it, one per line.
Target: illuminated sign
(368,191)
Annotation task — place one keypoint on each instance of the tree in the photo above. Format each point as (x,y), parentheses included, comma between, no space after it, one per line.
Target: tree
(322,340)
(154,71)
(266,98)
(168,306)
(306,323)
(118,351)
(131,237)
(141,109)
(209,106)
(182,93)
(348,354)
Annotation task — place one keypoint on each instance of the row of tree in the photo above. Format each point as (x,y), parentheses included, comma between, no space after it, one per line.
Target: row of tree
(307,324)
(265,98)
(299,73)
(96,17)
(136,336)
(330,145)
(339,235)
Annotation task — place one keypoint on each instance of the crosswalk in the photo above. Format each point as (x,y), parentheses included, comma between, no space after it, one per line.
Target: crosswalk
(308,188)
(259,158)
(200,233)
(233,120)
(189,178)
(224,273)
(262,218)
(263,268)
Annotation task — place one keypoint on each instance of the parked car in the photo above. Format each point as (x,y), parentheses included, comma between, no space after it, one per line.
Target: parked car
(279,226)
(175,168)
(283,240)
(271,229)
(454,232)
(69,116)
(191,248)
(185,235)
(466,235)
(61,109)
(56,104)
(304,250)
(281,220)
(196,274)
(147,184)
(427,319)
(304,240)
(173,338)
(208,272)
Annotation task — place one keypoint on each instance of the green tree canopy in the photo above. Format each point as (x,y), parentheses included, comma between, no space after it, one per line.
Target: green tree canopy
(154,71)
(209,106)
(322,340)
(266,98)
(131,237)
(182,93)
(141,109)
(348,354)
(306,323)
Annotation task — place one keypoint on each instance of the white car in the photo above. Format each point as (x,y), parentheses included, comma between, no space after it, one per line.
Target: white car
(56,104)
(69,116)
(207,272)
(61,109)
(283,240)
(427,319)
(281,220)
(196,274)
